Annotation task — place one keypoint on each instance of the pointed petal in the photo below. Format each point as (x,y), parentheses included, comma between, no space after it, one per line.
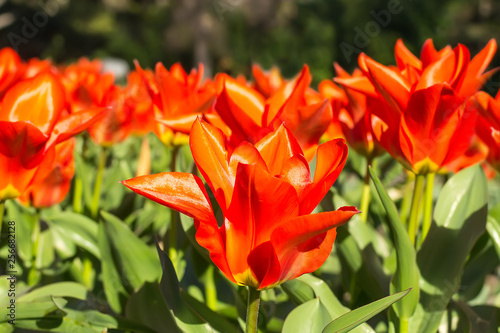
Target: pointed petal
(180,123)
(474,77)
(303,243)
(361,84)
(39,100)
(245,153)
(404,57)
(209,152)
(241,109)
(331,158)
(390,84)
(288,98)
(277,148)
(340,72)
(75,123)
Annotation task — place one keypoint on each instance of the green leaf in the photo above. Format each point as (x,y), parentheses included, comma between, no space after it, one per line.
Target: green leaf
(186,318)
(356,317)
(25,220)
(74,228)
(459,219)
(113,287)
(329,300)
(147,306)
(59,289)
(406,275)
(310,317)
(138,262)
(298,291)
(493,228)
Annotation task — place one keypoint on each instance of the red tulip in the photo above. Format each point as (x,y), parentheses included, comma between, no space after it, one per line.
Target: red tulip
(32,120)
(250,116)
(426,123)
(353,109)
(267,82)
(266,195)
(52,180)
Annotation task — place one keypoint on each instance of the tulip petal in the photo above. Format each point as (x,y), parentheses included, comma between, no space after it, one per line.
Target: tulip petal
(39,100)
(404,57)
(304,242)
(474,77)
(241,109)
(389,83)
(186,193)
(265,265)
(277,148)
(331,158)
(245,153)
(308,124)
(23,141)
(180,123)
(75,123)
(259,203)
(288,98)
(209,152)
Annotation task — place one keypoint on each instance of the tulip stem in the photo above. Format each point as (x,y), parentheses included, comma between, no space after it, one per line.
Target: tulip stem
(404,325)
(405,204)
(210,289)
(77,195)
(253,309)
(94,209)
(365,197)
(415,203)
(429,186)
(33,274)
(172,240)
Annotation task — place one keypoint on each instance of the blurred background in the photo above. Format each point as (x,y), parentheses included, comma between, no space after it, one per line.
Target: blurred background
(229,35)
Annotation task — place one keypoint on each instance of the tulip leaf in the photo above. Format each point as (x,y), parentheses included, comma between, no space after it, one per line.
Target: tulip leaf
(186,318)
(75,228)
(147,306)
(81,171)
(309,317)
(113,287)
(329,300)
(139,261)
(459,220)
(298,291)
(59,289)
(25,220)
(493,228)
(406,275)
(354,318)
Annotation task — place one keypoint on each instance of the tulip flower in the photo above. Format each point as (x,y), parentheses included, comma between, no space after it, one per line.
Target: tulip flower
(353,109)
(250,116)
(266,195)
(178,99)
(488,126)
(52,180)
(32,120)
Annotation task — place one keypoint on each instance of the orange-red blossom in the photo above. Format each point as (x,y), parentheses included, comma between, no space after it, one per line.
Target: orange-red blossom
(265,191)
(427,122)
(488,126)
(33,119)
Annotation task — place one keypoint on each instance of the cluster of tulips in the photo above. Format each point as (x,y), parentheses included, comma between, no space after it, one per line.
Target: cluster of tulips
(269,150)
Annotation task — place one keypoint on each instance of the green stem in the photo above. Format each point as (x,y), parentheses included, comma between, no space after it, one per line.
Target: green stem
(77,195)
(429,186)
(405,204)
(33,274)
(94,209)
(365,197)
(253,309)
(404,325)
(210,289)
(413,221)
(172,241)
